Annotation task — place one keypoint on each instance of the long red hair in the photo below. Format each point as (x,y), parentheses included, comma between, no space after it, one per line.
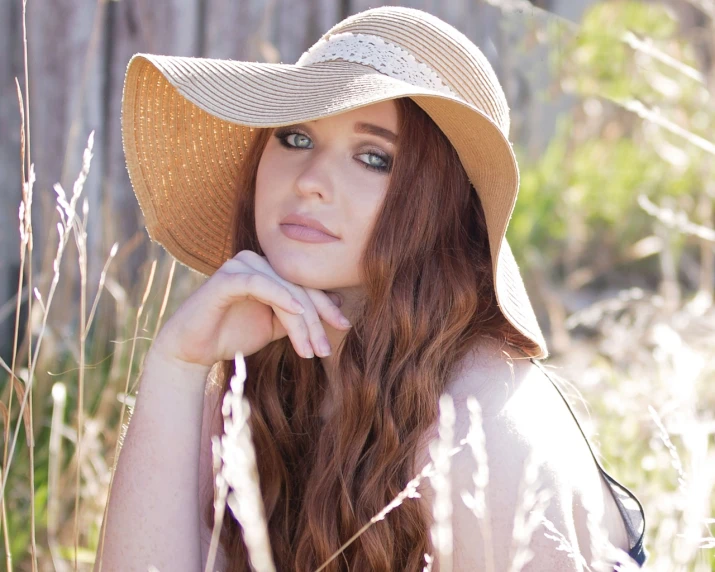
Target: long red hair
(426,271)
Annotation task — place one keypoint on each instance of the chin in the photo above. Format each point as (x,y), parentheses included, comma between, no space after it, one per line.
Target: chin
(303,270)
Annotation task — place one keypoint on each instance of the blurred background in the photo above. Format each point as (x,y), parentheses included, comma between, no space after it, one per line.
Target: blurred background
(613,121)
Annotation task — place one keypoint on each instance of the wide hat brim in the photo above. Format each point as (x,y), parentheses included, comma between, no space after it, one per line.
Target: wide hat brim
(187,122)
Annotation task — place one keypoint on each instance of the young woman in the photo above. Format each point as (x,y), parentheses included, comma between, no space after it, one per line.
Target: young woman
(350,211)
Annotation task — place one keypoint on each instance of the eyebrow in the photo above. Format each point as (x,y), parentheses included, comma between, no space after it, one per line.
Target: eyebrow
(375,130)
(372,129)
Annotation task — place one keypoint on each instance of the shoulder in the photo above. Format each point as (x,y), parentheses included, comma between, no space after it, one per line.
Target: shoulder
(527,476)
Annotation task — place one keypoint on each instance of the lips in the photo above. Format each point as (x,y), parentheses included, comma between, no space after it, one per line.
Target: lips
(309,222)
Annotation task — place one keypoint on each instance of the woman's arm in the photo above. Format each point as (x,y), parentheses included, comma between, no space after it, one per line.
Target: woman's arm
(153,515)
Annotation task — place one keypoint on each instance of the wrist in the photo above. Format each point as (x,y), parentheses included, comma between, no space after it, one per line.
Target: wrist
(158,357)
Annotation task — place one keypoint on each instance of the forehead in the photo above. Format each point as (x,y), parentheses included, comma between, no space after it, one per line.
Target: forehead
(383,114)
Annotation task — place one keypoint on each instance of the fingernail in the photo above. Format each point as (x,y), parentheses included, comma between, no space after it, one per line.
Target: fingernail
(308,351)
(345,322)
(324,346)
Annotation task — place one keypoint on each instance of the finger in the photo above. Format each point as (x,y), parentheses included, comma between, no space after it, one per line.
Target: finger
(292,323)
(297,331)
(327,304)
(255,285)
(327,308)
(335,298)
(229,286)
(307,332)
(234,265)
(254,260)
(307,327)
(260,264)
(316,332)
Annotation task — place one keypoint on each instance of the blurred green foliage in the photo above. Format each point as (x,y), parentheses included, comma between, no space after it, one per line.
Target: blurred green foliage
(579,198)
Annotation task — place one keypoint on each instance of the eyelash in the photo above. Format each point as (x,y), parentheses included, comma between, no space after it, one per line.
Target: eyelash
(283,135)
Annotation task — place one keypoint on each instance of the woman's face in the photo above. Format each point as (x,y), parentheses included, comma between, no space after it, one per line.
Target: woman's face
(334,170)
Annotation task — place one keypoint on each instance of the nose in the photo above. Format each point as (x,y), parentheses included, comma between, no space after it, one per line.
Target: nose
(316,176)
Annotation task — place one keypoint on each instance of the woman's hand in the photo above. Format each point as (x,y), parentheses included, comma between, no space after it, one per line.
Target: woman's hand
(243,307)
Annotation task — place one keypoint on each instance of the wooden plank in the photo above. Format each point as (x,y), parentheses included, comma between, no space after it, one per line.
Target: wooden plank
(65,105)
(229,26)
(289,33)
(10,67)
(135,26)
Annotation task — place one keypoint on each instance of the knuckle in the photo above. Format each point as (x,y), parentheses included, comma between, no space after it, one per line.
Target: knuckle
(231,266)
(311,319)
(246,255)
(226,283)
(314,326)
(220,278)
(294,323)
(252,281)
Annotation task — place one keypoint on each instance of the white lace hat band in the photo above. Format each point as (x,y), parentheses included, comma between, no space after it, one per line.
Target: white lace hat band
(385,57)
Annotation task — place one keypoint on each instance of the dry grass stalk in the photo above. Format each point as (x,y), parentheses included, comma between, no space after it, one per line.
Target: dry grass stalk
(165,300)
(239,472)
(656,118)
(604,555)
(439,449)
(25,246)
(647,46)
(674,455)
(477,502)
(676,219)
(120,439)
(220,496)
(563,544)
(534,501)
(410,491)
(59,401)
(80,234)
(67,215)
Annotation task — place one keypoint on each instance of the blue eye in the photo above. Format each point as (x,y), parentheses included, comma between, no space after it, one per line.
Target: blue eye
(283,139)
(384,165)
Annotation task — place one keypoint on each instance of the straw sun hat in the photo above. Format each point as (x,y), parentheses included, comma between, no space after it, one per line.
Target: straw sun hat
(187,122)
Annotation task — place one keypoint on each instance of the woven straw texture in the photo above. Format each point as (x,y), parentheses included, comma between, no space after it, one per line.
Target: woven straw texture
(187,122)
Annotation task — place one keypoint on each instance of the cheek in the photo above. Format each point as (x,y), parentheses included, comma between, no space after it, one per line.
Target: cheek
(365,210)
(263,201)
